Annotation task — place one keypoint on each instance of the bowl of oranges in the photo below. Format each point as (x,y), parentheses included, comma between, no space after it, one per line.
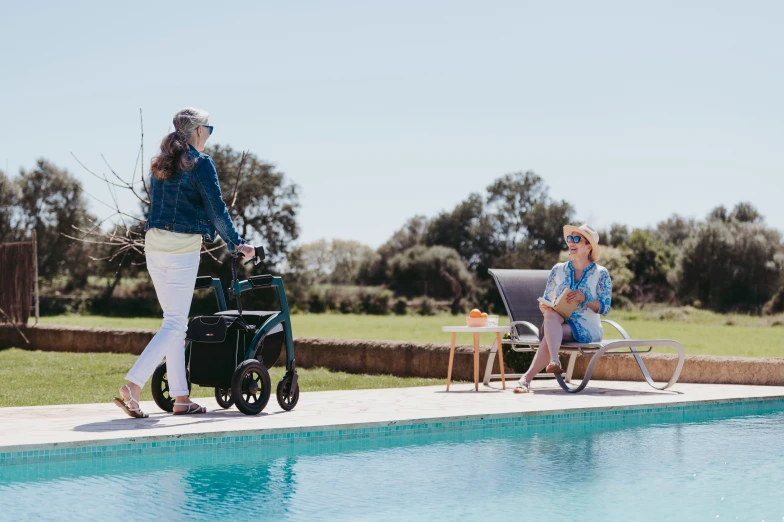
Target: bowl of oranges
(476,318)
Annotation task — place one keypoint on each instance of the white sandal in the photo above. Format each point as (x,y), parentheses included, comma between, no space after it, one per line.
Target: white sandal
(136,413)
(193,408)
(523,387)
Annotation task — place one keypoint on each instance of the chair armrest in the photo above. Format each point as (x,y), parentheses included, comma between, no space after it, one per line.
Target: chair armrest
(513,330)
(617,327)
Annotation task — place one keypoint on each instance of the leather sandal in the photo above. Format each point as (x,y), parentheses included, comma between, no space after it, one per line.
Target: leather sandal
(554,368)
(136,412)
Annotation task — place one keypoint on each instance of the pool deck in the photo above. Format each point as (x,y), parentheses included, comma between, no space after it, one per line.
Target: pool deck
(85,425)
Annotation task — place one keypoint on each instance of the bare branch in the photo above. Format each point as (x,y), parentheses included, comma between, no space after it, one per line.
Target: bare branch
(237,182)
(102,178)
(144,183)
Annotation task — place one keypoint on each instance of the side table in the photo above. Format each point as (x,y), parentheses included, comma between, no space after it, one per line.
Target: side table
(497,330)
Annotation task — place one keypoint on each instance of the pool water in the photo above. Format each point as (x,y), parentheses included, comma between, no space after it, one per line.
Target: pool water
(712,464)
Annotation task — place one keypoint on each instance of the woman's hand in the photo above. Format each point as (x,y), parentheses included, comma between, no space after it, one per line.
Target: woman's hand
(247,250)
(543,307)
(575,295)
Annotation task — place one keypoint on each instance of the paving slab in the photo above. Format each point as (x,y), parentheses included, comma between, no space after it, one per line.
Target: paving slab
(46,427)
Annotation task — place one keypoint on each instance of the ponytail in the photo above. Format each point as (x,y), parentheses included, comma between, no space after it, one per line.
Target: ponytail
(174,155)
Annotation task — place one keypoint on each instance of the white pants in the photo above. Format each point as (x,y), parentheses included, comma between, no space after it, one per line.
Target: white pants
(174,277)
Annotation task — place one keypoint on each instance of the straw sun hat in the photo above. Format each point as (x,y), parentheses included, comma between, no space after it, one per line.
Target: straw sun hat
(590,235)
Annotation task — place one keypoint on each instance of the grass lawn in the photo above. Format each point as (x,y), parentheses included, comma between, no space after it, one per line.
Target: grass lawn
(38,378)
(700,332)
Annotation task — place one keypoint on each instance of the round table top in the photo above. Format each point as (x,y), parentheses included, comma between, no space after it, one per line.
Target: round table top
(475,329)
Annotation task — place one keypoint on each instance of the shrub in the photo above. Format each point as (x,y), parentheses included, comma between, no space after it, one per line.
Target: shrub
(375,302)
(400,307)
(349,304)
(317,302)
(358,300)
(427,306)
(333,296)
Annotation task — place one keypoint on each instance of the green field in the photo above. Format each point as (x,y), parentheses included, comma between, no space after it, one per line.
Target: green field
(700,332)
(38,378)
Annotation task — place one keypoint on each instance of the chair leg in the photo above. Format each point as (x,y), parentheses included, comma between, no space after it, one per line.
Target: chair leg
(570,366)
(451,360)
(476,362)
(500,350)
(632,345)
(489,365)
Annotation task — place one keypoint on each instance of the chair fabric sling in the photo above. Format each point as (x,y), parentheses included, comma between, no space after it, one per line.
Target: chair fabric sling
(519,290)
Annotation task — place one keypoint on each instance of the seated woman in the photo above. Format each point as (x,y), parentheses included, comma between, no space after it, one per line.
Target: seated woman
(587,283)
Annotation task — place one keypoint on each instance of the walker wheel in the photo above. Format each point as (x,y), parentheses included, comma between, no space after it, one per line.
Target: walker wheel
(223,397)
(251,387)
(160,388)
(287,397)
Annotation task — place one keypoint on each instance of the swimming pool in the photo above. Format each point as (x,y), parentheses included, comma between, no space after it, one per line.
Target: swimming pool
(717,461)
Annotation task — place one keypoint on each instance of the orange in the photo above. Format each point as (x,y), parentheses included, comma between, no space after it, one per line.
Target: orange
(484,314)
(475,313)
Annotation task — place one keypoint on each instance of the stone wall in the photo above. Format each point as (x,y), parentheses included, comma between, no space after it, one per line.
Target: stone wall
(412,359)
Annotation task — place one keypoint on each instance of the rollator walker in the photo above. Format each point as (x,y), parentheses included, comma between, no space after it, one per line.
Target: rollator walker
(232,350)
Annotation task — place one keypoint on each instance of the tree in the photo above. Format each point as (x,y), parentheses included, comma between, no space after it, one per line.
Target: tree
(618,235)
(466,229)
(346,258)
(266,205)
(719,213)
(434,271)
(52,203)
(675,230)
(732,265)
(511,198)
(528,225)
(337,261)
(649,261)
(545,224)
(745,212)
(9,215)
(313,261)
(373,268)
(412,233)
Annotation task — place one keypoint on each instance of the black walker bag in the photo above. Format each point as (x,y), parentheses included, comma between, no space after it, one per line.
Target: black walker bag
(218,344)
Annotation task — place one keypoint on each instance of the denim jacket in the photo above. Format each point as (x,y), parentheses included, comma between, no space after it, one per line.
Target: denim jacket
(190,202)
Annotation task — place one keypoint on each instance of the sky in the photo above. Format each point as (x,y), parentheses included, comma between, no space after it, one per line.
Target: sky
(379,111)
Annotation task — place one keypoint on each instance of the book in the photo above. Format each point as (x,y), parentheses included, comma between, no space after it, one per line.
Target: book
(560,305)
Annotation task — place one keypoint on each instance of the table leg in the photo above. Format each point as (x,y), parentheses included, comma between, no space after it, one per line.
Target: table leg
(451,359)
(476,361)
(501,359)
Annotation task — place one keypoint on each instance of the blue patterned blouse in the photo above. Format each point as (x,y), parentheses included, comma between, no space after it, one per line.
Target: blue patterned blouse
(595,283)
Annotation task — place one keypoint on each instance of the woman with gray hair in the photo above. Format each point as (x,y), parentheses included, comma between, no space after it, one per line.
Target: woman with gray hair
(187,207)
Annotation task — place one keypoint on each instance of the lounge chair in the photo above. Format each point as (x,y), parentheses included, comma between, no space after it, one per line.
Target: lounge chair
(519,290)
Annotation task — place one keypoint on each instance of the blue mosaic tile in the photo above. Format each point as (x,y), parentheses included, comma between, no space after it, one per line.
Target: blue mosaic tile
(550,421)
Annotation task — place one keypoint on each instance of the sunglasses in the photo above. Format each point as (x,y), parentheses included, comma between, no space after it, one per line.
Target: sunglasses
(210,127)
(574,239)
